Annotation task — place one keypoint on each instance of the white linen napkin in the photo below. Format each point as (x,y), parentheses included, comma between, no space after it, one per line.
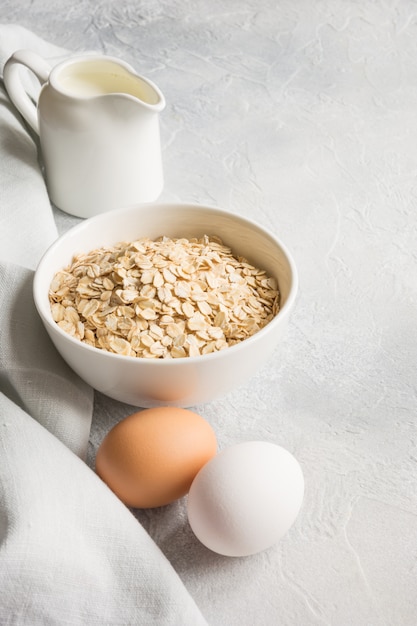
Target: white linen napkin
(70,551)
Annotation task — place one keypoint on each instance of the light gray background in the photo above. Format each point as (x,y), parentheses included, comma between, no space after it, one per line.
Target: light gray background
(303,116)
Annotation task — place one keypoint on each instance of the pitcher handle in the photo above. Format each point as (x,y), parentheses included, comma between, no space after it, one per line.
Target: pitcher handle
(14,86)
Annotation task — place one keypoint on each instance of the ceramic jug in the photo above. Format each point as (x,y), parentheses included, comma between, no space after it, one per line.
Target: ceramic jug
(98,126)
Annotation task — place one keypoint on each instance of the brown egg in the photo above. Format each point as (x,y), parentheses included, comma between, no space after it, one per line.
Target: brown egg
(150,458)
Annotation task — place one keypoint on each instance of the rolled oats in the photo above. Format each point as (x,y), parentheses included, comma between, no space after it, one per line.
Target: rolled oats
(164,298)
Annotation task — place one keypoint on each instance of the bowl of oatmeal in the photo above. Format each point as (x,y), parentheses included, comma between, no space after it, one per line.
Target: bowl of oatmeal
(166,304)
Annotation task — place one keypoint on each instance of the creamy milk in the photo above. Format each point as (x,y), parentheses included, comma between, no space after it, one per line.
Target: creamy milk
(87,84)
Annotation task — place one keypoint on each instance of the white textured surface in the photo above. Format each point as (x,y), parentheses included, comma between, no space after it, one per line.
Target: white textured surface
(302,116)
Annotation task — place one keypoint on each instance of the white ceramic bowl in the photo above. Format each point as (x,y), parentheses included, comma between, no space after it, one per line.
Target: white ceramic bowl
(185,381)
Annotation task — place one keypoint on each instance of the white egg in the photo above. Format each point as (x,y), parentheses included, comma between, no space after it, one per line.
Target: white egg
(245,498)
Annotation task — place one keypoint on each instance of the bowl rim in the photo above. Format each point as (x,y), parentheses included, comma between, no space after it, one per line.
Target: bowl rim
(160,362)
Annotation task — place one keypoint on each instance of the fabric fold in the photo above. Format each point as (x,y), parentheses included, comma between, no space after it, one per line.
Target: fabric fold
(32,373)
(69,549)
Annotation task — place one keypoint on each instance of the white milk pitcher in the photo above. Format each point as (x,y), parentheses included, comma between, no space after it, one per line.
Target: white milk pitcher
(98,125)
